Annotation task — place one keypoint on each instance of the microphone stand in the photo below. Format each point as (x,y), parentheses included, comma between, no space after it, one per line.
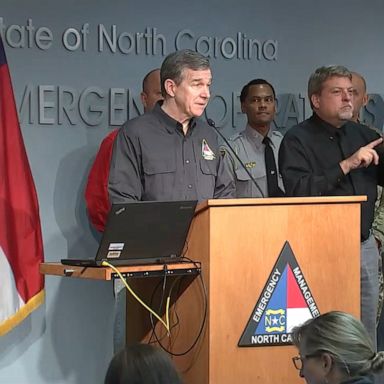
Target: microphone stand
(212,124)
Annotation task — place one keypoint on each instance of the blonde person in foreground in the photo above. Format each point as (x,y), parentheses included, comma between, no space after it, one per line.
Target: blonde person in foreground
(335,348)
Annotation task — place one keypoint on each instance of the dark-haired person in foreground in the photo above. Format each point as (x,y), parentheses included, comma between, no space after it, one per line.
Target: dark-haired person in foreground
(329,155)
(256,143)
(142,364)
(169,153)
(335,348)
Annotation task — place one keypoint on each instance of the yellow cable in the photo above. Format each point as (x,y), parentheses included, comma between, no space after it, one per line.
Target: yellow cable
(165,323)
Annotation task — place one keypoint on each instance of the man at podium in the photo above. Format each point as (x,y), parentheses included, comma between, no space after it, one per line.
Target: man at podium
(329,155)
(169,153)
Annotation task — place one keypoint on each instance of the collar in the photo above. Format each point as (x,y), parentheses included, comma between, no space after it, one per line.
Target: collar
(329,128)
(256,137)
(169,123)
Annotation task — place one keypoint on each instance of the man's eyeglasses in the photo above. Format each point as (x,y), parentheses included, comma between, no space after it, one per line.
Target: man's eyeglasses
(298,360)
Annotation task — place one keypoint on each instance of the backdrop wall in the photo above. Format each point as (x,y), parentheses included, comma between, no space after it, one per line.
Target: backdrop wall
(77,68)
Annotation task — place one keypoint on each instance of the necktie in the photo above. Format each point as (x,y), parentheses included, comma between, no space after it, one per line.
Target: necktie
(270,167)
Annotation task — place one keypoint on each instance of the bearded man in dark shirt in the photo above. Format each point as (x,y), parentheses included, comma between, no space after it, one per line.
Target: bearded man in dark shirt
(329,155)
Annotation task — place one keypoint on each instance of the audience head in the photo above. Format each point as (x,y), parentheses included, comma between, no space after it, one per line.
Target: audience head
(330,92)
(258,102)
(334,347)
(185,81)
(360,97)
(151,92)
(142,364)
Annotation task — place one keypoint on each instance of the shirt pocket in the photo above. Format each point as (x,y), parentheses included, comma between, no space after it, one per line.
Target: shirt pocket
(159,175)
(208,167)
(244,184)
(153,166)
(242,175)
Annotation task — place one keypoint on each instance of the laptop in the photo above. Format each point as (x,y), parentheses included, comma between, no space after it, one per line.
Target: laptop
(144,232)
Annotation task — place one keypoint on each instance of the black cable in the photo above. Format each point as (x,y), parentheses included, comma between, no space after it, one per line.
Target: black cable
(185,250)
(202,323)
(164,281)
(153,325)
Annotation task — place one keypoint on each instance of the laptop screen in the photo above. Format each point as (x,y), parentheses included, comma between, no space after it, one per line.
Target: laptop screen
(146,231)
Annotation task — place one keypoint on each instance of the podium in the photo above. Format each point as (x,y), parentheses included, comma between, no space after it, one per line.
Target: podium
(237,242)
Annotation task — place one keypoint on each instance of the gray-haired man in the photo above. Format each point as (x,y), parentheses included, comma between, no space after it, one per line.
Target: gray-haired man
(169,153)
(329,155)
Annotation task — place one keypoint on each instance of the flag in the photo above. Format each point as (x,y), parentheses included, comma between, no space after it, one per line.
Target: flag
(21,246)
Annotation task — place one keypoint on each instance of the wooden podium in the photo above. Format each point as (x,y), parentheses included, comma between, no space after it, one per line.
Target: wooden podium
(238,242)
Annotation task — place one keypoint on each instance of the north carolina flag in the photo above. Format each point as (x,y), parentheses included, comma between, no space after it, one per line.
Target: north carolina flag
(297,309)
(21,246)
(288,298)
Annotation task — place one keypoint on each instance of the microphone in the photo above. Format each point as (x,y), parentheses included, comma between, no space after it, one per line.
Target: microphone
(212,124)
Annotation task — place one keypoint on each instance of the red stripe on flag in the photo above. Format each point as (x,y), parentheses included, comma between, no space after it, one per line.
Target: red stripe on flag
(295,298)
(20,231)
